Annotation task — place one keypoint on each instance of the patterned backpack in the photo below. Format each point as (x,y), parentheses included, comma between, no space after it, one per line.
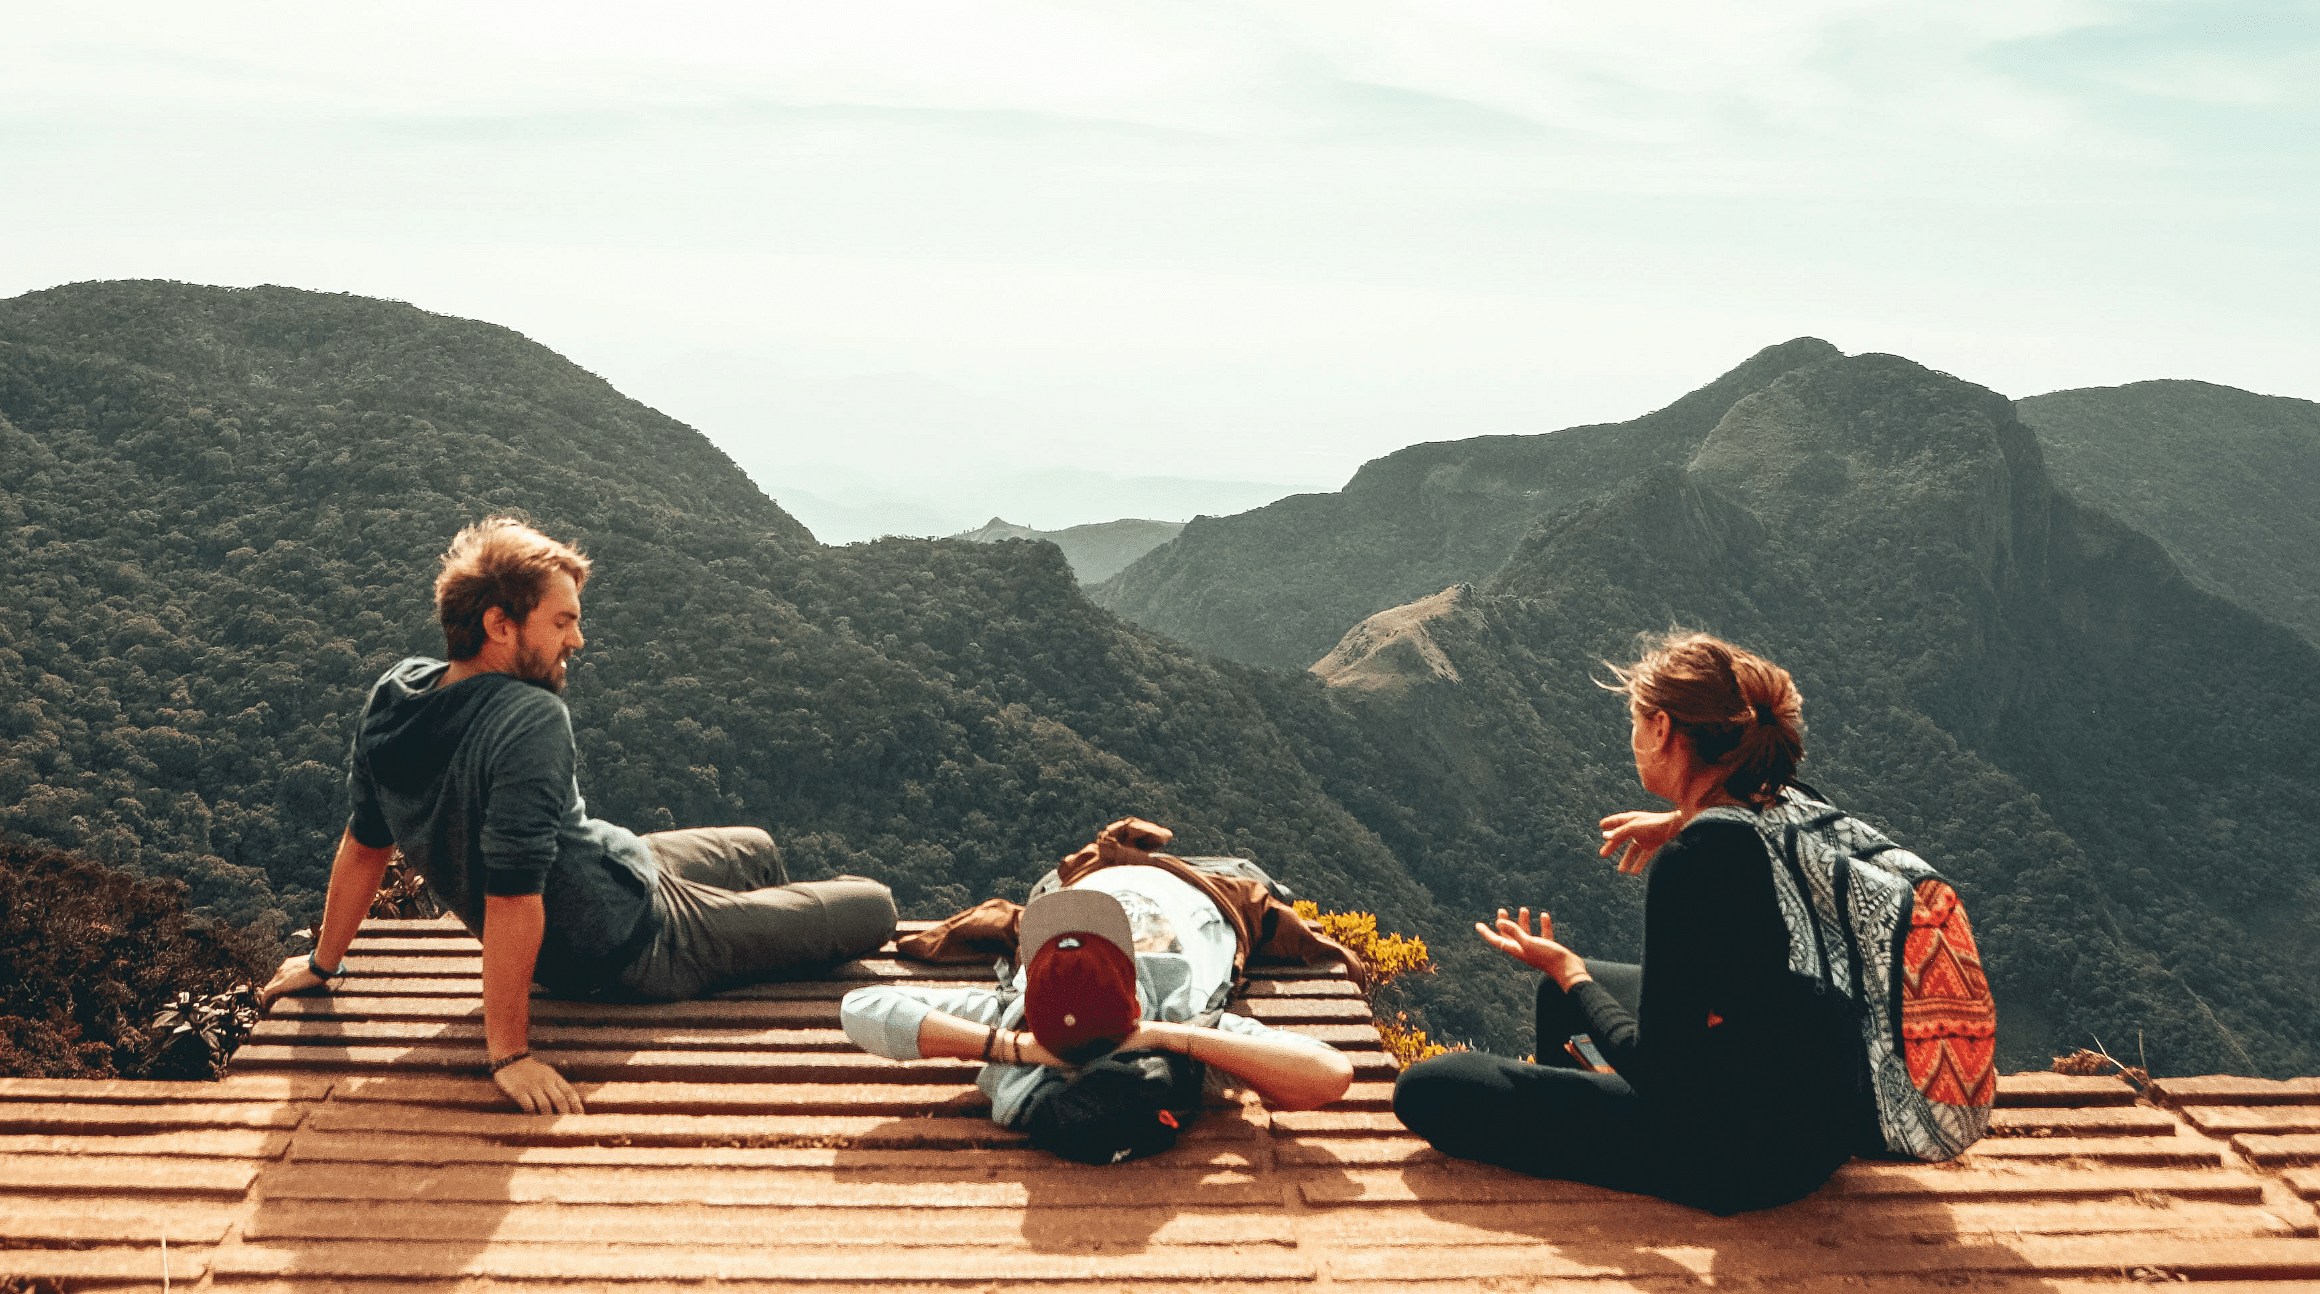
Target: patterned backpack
(1873,923)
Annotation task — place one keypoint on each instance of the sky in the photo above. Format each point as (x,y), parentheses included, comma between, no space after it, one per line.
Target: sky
(913,265)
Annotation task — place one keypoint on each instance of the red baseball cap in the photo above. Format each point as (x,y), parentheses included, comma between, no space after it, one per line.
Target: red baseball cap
(1079,987)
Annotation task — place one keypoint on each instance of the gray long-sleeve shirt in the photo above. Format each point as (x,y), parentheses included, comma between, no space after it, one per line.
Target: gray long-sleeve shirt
(475,782)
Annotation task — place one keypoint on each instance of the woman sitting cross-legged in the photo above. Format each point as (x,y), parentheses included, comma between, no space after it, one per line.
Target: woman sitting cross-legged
(1737,1086)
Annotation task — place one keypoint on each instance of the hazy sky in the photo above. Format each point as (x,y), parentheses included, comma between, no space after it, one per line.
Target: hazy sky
(1257,242)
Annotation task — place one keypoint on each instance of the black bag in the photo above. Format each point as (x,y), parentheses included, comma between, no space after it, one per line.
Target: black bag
(1121,1105)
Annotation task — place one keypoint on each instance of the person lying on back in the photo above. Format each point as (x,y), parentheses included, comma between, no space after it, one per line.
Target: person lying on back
(467,767)
(1130,958)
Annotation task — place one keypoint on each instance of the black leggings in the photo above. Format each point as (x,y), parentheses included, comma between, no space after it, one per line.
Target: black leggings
(1551,1119)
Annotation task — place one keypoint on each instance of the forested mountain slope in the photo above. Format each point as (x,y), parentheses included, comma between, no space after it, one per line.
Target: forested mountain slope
(1278,585)
(219,517)
(220,509)
(2228,480)
(2109,761)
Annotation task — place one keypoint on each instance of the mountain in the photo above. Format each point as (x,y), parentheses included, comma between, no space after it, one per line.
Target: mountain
(220,512)
(2227,480)
(1278,585)
(1096,551)
(932,493)
(2108,760)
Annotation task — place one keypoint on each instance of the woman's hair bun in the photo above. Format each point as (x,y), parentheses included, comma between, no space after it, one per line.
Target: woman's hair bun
(1740,711)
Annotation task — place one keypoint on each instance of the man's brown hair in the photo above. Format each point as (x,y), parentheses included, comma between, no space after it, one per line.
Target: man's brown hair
(497,562)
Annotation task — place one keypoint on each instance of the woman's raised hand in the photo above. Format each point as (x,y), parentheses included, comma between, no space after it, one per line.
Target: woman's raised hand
(1640,835)
(1513,937)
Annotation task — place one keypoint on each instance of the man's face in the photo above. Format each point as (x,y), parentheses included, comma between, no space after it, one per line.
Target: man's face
(549,636)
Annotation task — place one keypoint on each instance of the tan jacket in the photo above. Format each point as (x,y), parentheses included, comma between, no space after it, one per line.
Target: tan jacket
(1263,925)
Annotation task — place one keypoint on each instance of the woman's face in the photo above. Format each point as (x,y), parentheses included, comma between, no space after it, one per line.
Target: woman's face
(1657,758)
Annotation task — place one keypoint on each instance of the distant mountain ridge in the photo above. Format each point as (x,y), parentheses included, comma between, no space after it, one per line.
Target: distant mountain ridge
(2023,689)
(1096,551)
(1279,585)
(2228,480)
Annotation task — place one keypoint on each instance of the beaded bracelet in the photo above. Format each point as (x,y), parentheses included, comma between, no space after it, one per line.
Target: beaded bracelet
(990,1035)
(509,1059)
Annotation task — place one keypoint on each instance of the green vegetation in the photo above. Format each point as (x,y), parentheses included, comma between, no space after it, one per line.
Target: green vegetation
(2110,763)
(1280,584)
(90,957)
(2227,480)
(219,512)
(219,515)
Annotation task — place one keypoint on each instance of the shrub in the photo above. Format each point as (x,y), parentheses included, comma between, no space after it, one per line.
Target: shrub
(1387,956)
(90,956)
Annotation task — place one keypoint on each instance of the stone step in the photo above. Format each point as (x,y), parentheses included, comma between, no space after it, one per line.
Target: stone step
(881,1266)
(1815,1221)
(365,972)
(240,1087)
(64,1118)
(249,1143)
(56,1175)
(1855,1181)
(2094,1256)
(2119,1121)
(2033,1089)
(95,1219)
(544,1037)
(2276,1120)
(515,1129)
(796,1010)
(1057,1228)
(990,1151)
(657,1097)
(152,1266)
(1078,1185)
(2279,1152)
(2224,1089)
(692,1067)
(2151,1152)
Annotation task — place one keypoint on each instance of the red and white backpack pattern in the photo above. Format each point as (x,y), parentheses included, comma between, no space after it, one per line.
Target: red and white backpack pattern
(1873,922)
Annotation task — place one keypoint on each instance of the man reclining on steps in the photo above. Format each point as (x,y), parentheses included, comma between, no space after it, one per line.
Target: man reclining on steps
(1122,950)
(470,772)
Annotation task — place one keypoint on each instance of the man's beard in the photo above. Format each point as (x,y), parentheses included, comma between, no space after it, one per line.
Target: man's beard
(540,669)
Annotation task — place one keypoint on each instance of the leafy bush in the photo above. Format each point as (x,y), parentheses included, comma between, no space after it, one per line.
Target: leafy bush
(91,956)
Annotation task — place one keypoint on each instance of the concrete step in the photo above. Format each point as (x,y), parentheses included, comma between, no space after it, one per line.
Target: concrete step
(240,1087)
(95,1219)
(143,1175)
(2280,1152)
(867,1266)
(600,1065)
(1078,1185)
(64,1118)
(2223,1089)
(2074,1091)
(2275,1120)
(2109,1121)
(2093,1256)
(1854,1181)
(239,1143)
(544,1037)
(1060,1227)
